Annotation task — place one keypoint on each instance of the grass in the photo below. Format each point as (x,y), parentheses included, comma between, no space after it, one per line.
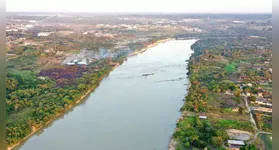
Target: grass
(225,122)
(231,67)
(23,113)
(74,51)
(211,97)
(191,119)
(26,62)
(233,124)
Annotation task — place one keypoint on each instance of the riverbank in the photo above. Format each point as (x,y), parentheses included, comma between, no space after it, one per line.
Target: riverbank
(215,101)
(173,143)
(150,46)
(34,130)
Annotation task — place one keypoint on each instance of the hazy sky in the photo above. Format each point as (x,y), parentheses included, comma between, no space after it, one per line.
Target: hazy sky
(186,6)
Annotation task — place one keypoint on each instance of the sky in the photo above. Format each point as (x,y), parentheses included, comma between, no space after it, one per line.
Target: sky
(166,6)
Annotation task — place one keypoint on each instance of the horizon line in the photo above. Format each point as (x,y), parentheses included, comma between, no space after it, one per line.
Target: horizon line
(108,12)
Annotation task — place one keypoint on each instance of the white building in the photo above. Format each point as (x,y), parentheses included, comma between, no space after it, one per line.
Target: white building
(235,144)
(82,62)
(28,26)
(44,33)
(203,117)
(248,94)
(249,84)
(270,70)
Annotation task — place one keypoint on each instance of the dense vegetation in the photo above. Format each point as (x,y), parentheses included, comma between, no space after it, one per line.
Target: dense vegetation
(217,73)
(33,101)
(193,133)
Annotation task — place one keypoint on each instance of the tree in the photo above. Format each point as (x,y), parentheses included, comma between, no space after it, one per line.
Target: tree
(249,147)
(237,92)
(216,141)
(187,144)
(11,83)
(241,110)
(81,86)
(252,98)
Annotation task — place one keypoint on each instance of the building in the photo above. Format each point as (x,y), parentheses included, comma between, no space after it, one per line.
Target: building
(262,109)
(228,92)
(249,84)
(82,62)
(236,109)
(203,117)
(30,42)
(72,62)
(270,70)
(262,101)
(248,94)
(44,33)
(235,144)
(42,78)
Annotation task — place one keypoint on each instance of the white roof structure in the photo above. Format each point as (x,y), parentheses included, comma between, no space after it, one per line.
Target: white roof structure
(236,142)
(202,117)
(44,33)
(249,84)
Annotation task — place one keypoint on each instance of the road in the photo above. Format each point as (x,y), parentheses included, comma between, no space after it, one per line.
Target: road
(249,110)
(252,120)
(256,135)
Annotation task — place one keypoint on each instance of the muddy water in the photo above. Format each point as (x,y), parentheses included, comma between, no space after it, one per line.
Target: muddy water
(134,108)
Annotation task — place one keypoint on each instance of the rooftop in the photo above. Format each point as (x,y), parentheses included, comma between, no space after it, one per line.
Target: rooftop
(236,142)
(202,117)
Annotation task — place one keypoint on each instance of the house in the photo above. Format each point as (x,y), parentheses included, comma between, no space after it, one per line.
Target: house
(270,70)
(44,33)
(42,78)
(71,63)
(30,42)
(236,109)
(82,62)
(228,92)
(260,94)
(203,117)
(235,144)
(262,109)
(248,94)
(48,50)
(249,84)
(262,101)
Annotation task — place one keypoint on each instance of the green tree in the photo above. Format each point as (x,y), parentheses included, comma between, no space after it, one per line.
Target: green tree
(216,141)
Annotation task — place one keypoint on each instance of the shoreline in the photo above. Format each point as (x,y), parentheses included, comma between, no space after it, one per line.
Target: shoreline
(34,130)
(173,143)
(149,46)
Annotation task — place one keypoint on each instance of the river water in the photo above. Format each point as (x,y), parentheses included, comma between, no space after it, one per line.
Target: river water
(128,111)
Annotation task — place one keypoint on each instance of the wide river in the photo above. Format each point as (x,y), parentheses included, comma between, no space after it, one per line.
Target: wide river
(128,111)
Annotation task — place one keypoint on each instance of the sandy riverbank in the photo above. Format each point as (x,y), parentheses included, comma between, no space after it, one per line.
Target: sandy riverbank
(172,144)
(149,46)
(86,94)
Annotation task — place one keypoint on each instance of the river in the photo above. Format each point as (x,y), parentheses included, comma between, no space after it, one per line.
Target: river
(134,108)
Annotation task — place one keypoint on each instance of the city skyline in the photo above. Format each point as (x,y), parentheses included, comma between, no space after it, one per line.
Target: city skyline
(144,6)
